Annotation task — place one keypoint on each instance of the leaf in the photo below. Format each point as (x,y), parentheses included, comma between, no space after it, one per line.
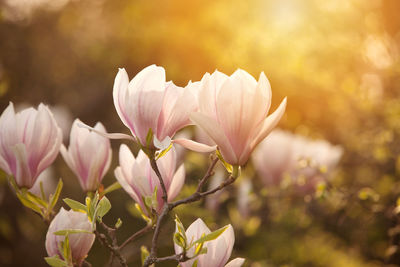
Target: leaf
(228,166)
(71,231)
(67,249)
(55,261)
(118,223)
(103,207)
(36,199)
(180,226)
(195,263)
(144,253)
(198,248)
(149,138)
(75,205)
(111,188)
(42,194)
(211,236)
(54,198)
(29,204)
(179,240)
(163,152)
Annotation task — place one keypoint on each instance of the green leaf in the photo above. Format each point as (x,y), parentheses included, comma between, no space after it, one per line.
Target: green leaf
(75,205)
(179,240)
(118,223)
(195,263)
(36,199)
(103,207)
(43,195)
(111,188)
(54,198)
(228,166)
(198,248)
(55,261)
(144,253)
(29,204)
(211,236)
(149,138)
(162,153)
(179,225)
(71,231)
(67,249)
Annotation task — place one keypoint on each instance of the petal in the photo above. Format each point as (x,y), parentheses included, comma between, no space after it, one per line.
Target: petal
(210,86)
(23,177)
(262,131)
(194,146)
(147,92)
(269,123)
(241,106)
(235,263)
(125,185)
(177,183)
(220,249)
(108,135)
(120,97)
(177,106)
(214,130)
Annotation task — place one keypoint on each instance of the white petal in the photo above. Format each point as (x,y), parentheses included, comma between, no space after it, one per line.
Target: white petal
(194,146)
(235,262)
(215,132)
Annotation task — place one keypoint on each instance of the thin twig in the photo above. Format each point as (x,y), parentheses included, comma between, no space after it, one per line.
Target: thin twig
(113,247)
(152,258)
(153,163)
(139,233)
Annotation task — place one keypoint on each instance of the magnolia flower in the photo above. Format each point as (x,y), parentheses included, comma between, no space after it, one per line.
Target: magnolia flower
(149,102)
(139,180)
(218,250)
(282,152)
(233,112)
(80,243)
(29,143)
(88,155)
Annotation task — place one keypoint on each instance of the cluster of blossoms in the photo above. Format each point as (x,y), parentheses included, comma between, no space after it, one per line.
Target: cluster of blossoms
(231,110)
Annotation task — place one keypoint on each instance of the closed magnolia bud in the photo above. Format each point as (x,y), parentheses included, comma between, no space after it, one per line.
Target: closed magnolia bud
(139,180)
(233,112)
(88,155)
(149,102)
(30,141)
(218,250)
(80,243)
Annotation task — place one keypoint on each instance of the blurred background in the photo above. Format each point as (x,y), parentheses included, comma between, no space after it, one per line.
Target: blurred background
(337,61)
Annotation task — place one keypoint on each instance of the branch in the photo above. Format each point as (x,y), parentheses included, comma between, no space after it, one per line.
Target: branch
(152,258)
(153,163)
(113,247)
(136,235)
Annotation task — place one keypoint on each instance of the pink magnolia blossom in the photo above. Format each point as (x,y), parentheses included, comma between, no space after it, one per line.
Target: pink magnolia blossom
(29,143)
(233,112)
(80,243)
(281,152)
(149,102)
(88,155)
(219,250)
(139,180)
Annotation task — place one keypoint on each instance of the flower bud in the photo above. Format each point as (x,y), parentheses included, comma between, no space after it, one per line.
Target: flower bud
(80,243)
(139,180)
(29,143)
(88,155)
(219,250)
